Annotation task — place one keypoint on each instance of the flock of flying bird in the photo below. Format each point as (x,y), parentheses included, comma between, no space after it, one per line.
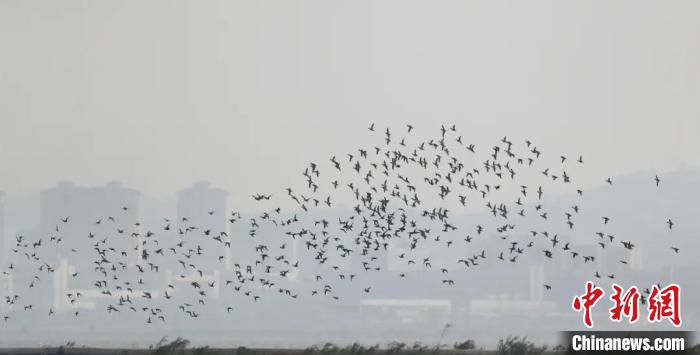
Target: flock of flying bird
(390,187)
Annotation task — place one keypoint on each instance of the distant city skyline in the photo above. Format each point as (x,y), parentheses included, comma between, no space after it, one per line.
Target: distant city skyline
(413,304)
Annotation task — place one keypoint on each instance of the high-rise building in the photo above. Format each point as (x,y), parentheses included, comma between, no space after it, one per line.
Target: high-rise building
(88,204)
(204,208)
(71,220)
(202,205)
(73,212)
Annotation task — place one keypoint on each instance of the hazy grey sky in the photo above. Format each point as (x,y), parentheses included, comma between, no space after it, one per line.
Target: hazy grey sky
(159,94)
